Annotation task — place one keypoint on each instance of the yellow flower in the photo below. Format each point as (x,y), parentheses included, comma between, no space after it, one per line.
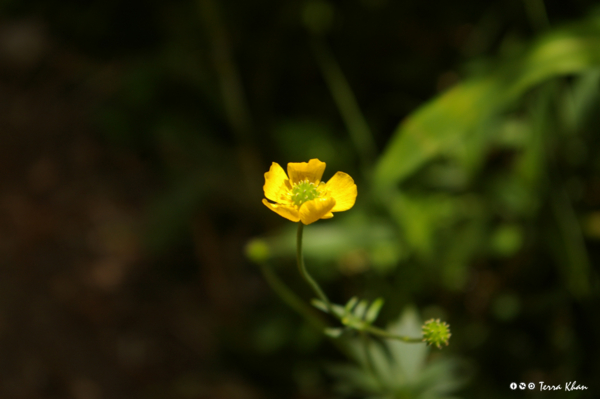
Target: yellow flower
(303,196)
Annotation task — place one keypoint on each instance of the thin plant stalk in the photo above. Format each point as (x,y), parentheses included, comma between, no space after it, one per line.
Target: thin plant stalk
(304,273)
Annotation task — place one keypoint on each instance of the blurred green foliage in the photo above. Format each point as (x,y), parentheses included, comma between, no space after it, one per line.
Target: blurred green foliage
(398,369)
(480,207)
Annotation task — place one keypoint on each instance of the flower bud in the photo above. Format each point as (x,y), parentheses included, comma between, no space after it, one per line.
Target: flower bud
(257,251)
(436,332)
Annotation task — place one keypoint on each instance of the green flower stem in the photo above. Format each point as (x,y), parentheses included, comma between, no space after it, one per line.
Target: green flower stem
(384,334)
(290,298)
(304,273)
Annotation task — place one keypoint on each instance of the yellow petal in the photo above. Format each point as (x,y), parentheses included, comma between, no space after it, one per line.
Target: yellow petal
(328,216)
(311,171)
(342,188)
(313,210)
(275,184)
(287,211)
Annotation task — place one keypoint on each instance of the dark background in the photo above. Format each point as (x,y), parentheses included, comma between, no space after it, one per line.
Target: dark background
(134,139)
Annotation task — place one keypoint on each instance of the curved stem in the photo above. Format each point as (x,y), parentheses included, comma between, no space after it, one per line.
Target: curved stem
(290,298)
(304,273)
(384,334)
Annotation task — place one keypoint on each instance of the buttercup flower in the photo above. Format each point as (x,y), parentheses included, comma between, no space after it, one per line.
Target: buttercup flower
(303,196)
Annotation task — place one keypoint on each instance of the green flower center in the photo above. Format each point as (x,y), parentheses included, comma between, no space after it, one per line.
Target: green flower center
(304,191)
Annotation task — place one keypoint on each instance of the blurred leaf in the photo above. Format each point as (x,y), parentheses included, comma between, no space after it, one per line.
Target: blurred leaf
(410,357)
(317,303)
(350,304)
(333,332)
(568,246)
(581,100)
(444,125)
(373,311)
(419,217)
(444,377)
(360,309)
(337,310)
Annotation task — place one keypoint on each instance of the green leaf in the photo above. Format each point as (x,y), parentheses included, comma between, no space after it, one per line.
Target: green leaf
(360,309)
(350,305)
(333,332)
(317,303)
(408,356)
(337,310)
(373,311)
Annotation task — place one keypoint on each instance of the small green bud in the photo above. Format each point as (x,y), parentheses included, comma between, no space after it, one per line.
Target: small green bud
(257,251)
(436,332)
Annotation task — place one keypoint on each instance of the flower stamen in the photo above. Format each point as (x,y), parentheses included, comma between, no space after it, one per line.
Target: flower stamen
(304,191)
